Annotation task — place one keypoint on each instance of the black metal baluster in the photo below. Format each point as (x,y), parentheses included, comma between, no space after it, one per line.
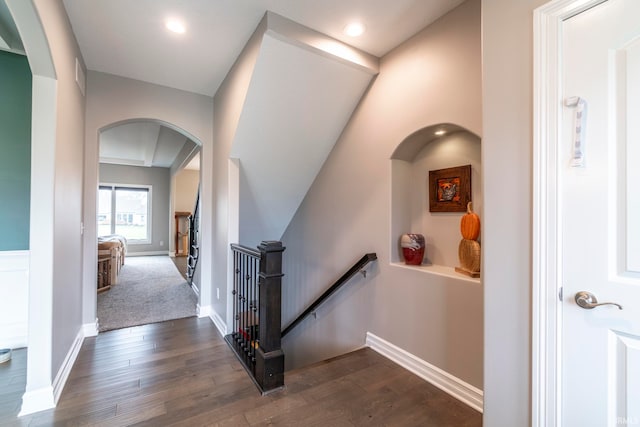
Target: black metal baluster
(253,313)
(245,292)
(234,292)
(241,281)
(256,330)
(238,301)
(236,266)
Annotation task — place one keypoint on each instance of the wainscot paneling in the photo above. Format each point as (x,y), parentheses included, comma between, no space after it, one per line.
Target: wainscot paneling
(14,298)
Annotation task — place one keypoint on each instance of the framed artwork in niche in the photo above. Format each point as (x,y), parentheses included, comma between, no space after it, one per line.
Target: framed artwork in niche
(450,189)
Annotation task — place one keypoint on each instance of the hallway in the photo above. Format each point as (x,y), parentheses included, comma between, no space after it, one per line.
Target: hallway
(182,373)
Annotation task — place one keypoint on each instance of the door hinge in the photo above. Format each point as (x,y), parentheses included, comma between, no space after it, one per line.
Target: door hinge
(560,293)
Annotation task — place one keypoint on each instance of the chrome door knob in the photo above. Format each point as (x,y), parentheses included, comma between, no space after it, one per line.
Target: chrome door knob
(587,300)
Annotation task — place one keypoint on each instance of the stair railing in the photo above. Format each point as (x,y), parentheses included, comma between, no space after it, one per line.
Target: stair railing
(194,247)
(357,267)
(256,301)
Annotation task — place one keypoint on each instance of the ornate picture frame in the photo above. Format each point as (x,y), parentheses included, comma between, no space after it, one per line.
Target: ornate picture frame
(450,189)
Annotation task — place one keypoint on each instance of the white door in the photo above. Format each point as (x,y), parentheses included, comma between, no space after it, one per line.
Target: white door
(600,211)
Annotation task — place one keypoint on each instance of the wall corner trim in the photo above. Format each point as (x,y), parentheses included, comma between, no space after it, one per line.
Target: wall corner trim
(446,382)
(90,329)
(203,310)
(37,400)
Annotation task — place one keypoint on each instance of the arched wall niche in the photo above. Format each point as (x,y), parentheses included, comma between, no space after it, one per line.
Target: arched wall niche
(421,152)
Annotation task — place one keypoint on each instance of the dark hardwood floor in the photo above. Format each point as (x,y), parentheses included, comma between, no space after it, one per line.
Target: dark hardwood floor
(13,376)
(181,373)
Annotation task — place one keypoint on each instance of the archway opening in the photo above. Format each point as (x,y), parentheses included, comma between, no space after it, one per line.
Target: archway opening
(146,196)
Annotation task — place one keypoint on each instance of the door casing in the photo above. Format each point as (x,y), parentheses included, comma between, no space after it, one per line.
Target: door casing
(546,358)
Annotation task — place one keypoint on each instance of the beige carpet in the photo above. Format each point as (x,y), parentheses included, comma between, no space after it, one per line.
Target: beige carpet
(150,289)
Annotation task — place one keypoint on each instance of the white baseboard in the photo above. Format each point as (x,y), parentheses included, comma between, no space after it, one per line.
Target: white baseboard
(203,310)
(220,324)
(148,253)
(91,329)
(63,374)
(446,382)
(37,400)
(195,289)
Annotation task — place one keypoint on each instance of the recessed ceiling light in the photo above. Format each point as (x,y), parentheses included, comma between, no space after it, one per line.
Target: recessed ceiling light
(440,132)
(354,29)
(175,26)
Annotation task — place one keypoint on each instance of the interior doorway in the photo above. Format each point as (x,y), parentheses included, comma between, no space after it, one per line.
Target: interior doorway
(583,129)
(145,176)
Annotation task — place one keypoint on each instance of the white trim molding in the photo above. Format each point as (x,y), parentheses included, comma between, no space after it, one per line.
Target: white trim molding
(203,310)
(546,343)
(65,369)
(147,253)
(47,397)
(91,329)
(220,325)
(37,400)
(14,298)
(195,289)
(464,392)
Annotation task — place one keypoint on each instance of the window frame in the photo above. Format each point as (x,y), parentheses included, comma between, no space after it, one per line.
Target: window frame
(113,187)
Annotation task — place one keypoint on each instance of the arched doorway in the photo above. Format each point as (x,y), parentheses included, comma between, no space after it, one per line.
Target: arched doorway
(113,101)
(138,165)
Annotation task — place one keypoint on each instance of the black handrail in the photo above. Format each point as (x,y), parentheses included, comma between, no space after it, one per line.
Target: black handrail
(245,250)
(358,266)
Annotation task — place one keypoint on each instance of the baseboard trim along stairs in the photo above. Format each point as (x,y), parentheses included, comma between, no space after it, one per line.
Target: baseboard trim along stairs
(464,392)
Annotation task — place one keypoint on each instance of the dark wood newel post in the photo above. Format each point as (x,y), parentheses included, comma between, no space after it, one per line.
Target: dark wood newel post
(269,357)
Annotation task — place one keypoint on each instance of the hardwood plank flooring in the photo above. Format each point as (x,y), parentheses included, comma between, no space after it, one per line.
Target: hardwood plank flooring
(181,373)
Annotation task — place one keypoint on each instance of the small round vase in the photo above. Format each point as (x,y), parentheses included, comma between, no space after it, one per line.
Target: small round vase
(412,248)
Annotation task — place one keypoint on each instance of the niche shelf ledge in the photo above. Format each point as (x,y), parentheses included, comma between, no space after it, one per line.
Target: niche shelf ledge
(438,270)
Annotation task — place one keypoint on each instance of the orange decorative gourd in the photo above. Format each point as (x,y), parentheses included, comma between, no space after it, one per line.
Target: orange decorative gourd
(470,224)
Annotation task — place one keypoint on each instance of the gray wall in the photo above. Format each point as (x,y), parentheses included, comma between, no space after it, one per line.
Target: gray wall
(507,155)
(186,189)
(159,179)
(15,151)
(432,78)
(66,185)
(227,106)
(113,100)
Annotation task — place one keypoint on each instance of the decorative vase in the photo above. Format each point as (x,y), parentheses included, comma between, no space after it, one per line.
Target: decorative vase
(412,248)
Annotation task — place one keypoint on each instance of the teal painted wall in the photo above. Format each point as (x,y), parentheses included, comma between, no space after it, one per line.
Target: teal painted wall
(15,151)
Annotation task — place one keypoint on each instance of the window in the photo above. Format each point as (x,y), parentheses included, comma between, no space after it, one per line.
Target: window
(125,210)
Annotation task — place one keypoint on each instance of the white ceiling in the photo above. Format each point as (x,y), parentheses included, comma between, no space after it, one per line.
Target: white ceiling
(128,37)
(143,143)
(301,95)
